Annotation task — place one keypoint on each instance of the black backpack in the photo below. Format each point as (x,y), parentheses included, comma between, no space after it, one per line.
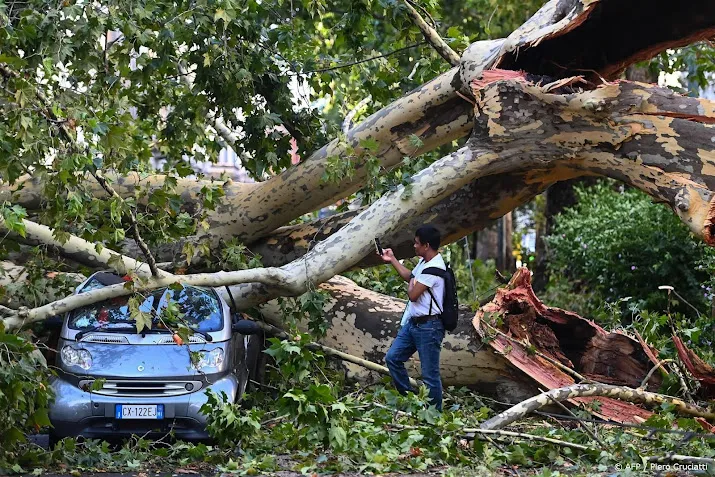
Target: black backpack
(450,313)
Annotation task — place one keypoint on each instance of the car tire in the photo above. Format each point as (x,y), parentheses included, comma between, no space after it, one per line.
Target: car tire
(53,440)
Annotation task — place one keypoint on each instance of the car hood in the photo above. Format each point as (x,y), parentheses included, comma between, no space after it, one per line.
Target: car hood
(135,361)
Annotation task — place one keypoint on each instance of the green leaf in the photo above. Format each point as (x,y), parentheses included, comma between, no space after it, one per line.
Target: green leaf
(222,14)
(13,218)
(338,436)
(143,319)
(98,384)
(40,417)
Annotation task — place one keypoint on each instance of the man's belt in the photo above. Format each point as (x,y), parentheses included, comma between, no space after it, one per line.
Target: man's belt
(421,320)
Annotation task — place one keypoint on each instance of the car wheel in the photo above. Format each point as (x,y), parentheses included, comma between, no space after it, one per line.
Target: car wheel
(53,440)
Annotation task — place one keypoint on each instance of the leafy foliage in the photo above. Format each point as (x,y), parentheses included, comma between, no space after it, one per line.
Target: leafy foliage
(619,244)
(227,423)
(695,62)
(24,392)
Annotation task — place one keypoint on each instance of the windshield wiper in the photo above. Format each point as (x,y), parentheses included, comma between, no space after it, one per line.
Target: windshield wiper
(102,328)
(205,336)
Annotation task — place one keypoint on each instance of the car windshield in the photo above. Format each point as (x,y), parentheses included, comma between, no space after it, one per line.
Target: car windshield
(201,309)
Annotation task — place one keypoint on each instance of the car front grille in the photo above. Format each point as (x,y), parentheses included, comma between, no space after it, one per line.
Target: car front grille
(170,340)
(106,339)
(132,388)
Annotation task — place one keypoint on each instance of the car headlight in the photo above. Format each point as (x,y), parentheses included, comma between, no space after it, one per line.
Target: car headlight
(210,359)
(76,357)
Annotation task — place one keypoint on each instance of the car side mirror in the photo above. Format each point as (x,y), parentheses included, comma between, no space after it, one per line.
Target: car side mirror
(246,327)
(54,322)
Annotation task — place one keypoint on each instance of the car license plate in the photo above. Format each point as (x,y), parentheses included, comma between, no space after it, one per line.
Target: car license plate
(139,411)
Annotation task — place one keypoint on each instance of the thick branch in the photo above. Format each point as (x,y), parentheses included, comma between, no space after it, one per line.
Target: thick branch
(470,209)
(270,276)
(471,433)
(81,251)
(589,390)
(646,136)
(431,35)
(27,191)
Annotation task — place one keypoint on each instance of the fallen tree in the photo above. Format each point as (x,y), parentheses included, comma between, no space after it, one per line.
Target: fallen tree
(541,107)
(552,43)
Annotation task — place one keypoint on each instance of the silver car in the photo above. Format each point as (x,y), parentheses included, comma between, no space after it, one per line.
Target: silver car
(151,384)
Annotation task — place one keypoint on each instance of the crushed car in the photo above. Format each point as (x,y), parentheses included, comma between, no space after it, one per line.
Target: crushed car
(113,381)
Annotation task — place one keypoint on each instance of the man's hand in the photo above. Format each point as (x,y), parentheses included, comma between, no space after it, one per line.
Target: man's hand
(387,255)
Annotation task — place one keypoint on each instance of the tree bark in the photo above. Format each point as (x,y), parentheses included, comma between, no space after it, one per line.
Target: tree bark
(627,131)
(471,208)
(588,390)
(556,42)
(364,323)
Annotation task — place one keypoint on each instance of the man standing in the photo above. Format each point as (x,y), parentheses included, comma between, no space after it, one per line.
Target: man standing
(421,328)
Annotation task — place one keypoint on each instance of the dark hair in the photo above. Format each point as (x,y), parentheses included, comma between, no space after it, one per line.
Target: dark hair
(429,235)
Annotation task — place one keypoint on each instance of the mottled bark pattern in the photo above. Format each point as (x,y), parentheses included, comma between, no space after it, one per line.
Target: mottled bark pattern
(364,323)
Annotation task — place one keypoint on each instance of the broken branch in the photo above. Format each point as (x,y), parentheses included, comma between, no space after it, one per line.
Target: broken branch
(82,251)
(333,352)
(588,390)
(471,432)
(431,35)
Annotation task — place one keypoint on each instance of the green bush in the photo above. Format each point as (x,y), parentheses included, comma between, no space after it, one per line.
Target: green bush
(618,244)
(24,394)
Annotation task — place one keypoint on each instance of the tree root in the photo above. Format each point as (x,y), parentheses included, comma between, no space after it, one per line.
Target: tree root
(587,390)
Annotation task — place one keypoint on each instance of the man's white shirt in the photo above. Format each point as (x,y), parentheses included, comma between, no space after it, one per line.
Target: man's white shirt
(421,307)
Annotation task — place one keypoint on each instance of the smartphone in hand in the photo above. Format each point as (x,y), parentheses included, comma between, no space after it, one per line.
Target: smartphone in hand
(378,247)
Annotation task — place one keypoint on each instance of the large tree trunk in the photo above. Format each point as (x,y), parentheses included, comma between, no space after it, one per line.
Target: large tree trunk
(627,131)
(363,323)
(557,41)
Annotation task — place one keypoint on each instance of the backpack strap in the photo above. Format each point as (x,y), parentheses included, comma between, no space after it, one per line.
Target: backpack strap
(433,299)
(429,290)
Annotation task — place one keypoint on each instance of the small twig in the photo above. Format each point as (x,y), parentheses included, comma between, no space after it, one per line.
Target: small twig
(275,419)
(425,12)
(264,385)
(377,57)
(653,369)
(672,289)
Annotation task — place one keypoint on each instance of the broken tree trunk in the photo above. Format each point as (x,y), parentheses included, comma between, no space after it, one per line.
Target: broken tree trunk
(556,347)
(363,323)
(557,41)
(699,369)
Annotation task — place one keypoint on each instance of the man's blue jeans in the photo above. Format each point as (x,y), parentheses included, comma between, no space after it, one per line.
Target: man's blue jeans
(426,339)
